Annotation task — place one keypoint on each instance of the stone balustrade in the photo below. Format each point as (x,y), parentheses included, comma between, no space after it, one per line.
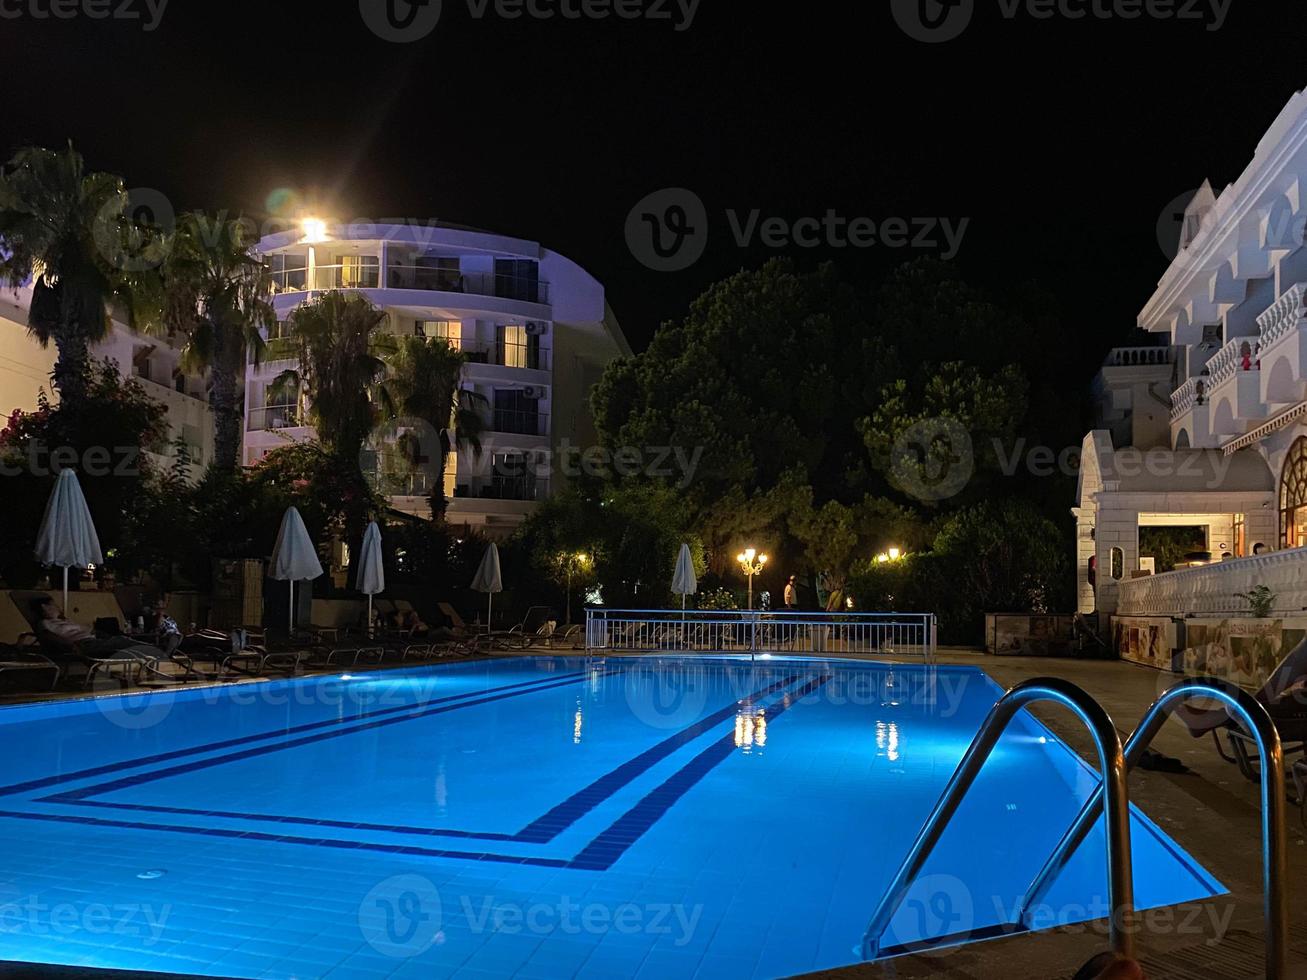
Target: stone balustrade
(1282,318)
(1214,589)
(1182,399)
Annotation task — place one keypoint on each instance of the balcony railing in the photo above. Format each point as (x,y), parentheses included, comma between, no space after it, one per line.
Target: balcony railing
(520,423)
(441,280)
(1137,356)
(1188,395)
(444,280)
(1230,358)
(509,355)
(1215,589)
(274,417)
(1282,318)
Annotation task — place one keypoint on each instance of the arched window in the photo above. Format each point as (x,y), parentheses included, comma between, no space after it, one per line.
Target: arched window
(1293,497)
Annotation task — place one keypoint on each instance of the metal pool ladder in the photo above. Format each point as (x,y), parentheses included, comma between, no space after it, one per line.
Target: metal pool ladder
(1110,799)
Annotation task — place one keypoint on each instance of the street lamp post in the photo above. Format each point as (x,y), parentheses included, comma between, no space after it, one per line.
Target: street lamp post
(581,558)
(751,563)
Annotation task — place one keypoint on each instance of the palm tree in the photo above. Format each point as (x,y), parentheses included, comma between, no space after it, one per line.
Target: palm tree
(214,292)
(341,349)
(426,384)
(64,230)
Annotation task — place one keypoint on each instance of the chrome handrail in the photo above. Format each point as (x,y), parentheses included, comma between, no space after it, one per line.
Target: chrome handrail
(1111,759)
(1274,845)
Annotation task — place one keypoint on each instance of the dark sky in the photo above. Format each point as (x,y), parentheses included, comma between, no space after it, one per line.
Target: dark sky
(1062,140)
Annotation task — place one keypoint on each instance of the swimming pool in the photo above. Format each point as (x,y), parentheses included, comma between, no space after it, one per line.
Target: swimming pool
(534,817)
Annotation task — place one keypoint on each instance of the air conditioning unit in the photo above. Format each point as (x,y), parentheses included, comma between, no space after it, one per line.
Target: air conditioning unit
(535,391)
(535,328)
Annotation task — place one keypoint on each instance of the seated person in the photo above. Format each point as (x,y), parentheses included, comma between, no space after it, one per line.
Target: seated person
(411,622)
(52,626)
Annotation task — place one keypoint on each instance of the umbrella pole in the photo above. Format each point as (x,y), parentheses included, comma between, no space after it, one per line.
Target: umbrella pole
(490,610)
(65,590)
(369,615)
(290,618)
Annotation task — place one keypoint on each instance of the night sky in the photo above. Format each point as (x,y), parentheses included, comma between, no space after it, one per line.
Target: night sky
(1061,140)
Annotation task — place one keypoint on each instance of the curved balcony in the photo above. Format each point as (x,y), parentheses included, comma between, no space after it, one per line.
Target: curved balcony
(410,277)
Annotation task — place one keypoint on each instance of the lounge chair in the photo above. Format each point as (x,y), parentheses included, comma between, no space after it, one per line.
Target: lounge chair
(1284,695)
(15,659)
(536,627)
(460,629)
(133,662)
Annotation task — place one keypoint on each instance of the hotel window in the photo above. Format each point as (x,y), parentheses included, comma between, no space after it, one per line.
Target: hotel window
(450,331)
(517,348)
(1240,536)
(288,271)
(359,271)
(1293,497)
(518,279)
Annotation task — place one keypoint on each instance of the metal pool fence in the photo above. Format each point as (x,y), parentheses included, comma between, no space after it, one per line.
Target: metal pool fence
(739,631)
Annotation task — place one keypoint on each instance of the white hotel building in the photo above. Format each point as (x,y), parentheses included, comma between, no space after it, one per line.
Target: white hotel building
(534,325)
(1208,428)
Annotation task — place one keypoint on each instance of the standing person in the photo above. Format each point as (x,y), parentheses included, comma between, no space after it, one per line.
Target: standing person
(791,594)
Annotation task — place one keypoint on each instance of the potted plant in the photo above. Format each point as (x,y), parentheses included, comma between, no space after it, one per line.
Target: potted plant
(1261,599)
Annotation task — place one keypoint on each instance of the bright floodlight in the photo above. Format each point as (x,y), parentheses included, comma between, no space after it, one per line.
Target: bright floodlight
(315,230)
(894,554)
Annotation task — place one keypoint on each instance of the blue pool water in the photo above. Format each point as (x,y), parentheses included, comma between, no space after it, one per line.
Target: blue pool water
(542,817)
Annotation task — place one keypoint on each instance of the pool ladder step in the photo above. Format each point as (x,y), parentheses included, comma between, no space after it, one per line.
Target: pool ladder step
(1111,801)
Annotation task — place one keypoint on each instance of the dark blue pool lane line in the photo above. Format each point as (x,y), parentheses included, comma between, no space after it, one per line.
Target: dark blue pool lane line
(540,831)
(413,714)
(47,781)
(610,845)
(599,855)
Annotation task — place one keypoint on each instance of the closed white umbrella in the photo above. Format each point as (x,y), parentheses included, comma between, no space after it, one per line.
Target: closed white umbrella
(684,581)
(488,579)
(372,570)
(294,558)
(67,536)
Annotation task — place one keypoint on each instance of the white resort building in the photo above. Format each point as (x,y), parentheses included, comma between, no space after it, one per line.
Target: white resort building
(535,328)
(155,362)
(1206,430)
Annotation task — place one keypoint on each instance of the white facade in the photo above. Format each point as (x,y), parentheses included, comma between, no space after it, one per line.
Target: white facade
(534,325)
(154,362)
(1219,405)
